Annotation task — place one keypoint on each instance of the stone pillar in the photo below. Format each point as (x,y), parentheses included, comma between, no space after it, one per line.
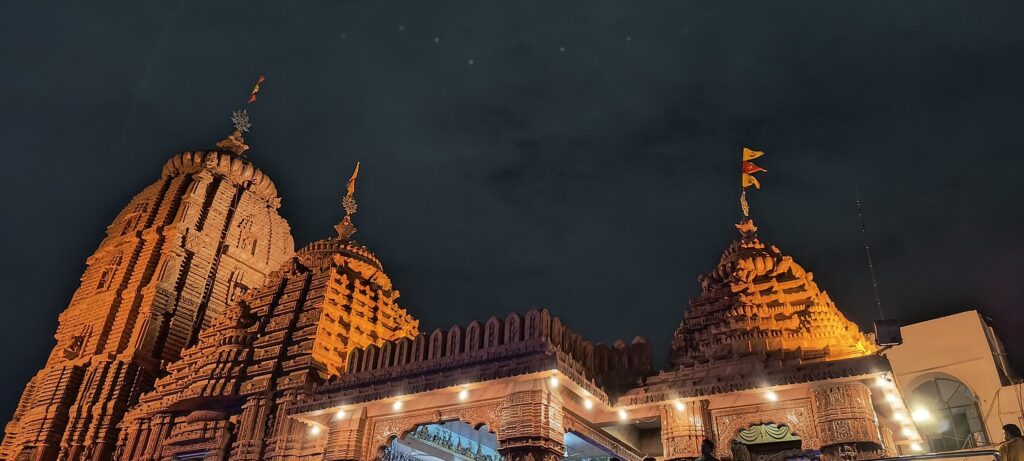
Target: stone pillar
(531,426)
(847,423)
(683,430)
(345,438)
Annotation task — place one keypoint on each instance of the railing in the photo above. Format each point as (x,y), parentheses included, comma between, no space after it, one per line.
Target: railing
(952,455)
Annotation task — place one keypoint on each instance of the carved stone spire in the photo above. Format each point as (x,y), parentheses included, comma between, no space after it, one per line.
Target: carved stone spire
(345,228)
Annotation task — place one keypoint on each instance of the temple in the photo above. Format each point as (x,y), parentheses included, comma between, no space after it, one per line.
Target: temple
(174,260)
(197,333)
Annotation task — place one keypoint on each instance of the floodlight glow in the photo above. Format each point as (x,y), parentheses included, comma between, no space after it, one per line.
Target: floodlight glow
(680,406)
(464,394)
(397,405)
(771,396)
(623,415)
(340,415)
(588,404)
(921,414)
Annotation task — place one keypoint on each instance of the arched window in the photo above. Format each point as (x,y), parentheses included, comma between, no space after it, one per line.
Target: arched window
(947,413)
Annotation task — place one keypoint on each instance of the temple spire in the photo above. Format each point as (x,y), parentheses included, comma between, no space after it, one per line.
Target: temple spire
(345,228)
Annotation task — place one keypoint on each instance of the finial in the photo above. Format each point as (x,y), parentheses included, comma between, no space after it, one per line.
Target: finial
(345,228)
(240,118)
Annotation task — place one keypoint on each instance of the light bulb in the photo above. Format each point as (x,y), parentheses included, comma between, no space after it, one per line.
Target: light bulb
(397,405)
(315,430)
(464,394)
(588,404)
(623,415)
(340,415)
(680,406)
(921,414)
(916,447)
(553,381)
(771,396)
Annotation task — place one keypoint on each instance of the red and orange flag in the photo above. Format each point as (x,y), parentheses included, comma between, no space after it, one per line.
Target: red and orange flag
(748,167)
(255,89)
(747,170)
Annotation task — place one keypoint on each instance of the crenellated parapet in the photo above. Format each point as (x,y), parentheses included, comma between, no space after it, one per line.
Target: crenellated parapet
(498,348)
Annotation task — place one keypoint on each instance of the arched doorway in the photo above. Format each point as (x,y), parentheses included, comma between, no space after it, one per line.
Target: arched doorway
(453,440)
(947,414)
(768,442)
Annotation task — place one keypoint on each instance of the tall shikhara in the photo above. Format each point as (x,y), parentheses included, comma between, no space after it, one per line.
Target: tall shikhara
(229,395)
(182,251)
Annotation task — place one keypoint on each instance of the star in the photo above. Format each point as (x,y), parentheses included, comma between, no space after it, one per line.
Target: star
(471,61)
(343,36)
(401,28)
(561,49)
(629,38)
(437,40)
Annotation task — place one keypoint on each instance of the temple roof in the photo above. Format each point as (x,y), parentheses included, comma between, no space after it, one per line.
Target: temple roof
(759,303)
(228,162)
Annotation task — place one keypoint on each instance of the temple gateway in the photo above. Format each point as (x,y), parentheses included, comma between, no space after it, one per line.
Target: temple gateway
(198,333)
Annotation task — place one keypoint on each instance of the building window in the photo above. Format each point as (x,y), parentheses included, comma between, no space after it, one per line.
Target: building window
(949,416)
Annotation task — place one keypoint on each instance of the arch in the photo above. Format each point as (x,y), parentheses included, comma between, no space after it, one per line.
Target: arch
(513,328)
(494,333)
(403,347)
(474,337)
(436,345)
(385,430)
(454,341)
(419,349)
(355,360)
(951,418)
(387,355)
(370,359)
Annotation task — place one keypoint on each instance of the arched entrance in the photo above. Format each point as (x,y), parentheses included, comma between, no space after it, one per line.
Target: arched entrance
(453,440)
(947,414)
(769,442)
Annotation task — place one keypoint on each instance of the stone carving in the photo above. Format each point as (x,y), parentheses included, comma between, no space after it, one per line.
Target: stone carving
(386,428)
(798,415)
(126,319)
(759,302)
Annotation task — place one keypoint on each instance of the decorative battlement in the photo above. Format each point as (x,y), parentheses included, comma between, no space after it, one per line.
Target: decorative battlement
(498,348)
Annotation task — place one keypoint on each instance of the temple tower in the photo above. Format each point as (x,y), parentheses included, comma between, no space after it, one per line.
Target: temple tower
(176,257)
(229,395)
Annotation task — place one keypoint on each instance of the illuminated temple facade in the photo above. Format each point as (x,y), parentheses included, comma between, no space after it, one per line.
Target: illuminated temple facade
(198,333)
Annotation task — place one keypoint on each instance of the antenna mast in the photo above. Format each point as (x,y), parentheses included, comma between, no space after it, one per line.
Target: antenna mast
(867,251)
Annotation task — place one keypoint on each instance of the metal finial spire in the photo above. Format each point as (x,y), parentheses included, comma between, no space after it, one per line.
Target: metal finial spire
(345,228)
(241,120)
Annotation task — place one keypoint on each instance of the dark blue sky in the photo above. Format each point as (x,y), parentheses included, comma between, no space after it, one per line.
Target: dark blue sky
(586,160)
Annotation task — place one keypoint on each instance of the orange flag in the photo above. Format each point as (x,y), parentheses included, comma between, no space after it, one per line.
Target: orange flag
(750,168)
(750,180)
(750,154)
(255,89)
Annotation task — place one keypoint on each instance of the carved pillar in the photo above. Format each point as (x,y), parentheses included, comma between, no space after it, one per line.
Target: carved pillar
(252,428)
(531,426)
(683,430)
(345,437)
(847,422)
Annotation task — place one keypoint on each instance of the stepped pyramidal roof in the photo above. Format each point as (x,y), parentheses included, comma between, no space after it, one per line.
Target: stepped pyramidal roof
(759,303)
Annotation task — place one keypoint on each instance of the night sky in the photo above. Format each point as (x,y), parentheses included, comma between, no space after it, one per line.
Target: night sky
(580,156)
